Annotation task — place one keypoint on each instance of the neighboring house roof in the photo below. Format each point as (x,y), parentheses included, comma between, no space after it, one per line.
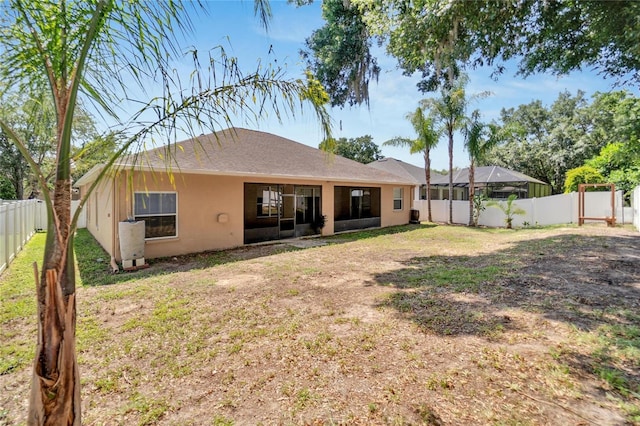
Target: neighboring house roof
(406,171)
(243,152)
(488,174)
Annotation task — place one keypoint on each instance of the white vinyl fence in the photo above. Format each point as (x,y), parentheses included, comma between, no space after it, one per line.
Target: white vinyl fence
(19,220)
(17,226)
(552,210)
(635,207)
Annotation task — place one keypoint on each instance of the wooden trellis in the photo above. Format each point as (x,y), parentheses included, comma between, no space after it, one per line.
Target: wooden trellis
(611,220)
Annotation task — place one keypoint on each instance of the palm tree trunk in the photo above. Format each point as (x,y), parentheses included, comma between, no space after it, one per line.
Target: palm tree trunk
(450,176)
(472,192)
(427,172)
(55,387)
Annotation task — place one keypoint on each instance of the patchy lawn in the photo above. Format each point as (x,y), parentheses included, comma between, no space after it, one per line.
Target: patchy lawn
(410,325)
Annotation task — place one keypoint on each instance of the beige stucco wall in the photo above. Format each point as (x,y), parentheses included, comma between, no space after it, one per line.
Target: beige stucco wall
(327,207)
(389,216)
(100,208)
(204,201)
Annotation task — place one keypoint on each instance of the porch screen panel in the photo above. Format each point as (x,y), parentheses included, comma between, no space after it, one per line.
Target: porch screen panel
(341,202)
(262,205)
(356,203)
(307,204)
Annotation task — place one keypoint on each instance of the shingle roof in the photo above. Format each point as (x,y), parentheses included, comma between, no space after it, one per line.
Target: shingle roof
(489,174)
(243,152)
(406,170)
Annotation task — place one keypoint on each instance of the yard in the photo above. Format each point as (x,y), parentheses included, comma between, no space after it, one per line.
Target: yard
(420,324)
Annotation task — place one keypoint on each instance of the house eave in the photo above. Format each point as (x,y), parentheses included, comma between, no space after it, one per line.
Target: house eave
(267,176)
(90,176)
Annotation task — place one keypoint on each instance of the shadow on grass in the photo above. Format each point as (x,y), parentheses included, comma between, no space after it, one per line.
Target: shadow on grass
(591,283)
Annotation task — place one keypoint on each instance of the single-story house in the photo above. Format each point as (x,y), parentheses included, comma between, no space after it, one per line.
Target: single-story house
(499,182)
(419,178)
(236,187)
(493,181)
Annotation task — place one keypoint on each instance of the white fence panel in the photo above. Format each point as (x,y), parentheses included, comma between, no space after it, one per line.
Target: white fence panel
(19,220)
(552,210)
(439,209)
(41,215)
(82,219)
(460,211)
(17,226)
(561,208)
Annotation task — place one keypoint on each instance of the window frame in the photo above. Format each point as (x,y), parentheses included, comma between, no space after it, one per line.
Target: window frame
(136,216)
(400,198)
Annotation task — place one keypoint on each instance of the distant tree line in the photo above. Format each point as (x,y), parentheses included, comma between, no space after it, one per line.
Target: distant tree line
(574,140)
(34,119)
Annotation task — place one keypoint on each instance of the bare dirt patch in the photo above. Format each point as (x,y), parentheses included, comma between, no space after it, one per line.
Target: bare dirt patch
(427,325)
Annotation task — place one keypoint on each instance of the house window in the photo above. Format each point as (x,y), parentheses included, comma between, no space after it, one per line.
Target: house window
(397,198)
(268,201)
(159,210)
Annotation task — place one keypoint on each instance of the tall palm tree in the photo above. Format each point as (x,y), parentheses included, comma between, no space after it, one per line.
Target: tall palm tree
(478,140)
(450,109)
(103,51)
(427,138)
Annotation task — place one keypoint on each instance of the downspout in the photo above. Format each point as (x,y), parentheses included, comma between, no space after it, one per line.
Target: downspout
(114,223)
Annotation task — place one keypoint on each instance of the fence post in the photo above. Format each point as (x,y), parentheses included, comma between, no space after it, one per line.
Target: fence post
(23,225)
(4,215)
(16,229)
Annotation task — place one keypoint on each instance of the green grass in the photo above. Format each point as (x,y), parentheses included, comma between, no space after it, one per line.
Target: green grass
(458,278)
(150,410)
(614,345)
(156,329)
(94,263)
(18,305)
(17,287)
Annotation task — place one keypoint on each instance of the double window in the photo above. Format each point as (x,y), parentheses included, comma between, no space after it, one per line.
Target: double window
(159,210)
(397,198)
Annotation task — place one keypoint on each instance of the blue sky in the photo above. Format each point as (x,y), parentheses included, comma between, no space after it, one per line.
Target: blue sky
(232,24)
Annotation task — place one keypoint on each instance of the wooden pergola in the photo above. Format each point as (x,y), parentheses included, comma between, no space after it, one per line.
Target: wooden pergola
(611,220)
